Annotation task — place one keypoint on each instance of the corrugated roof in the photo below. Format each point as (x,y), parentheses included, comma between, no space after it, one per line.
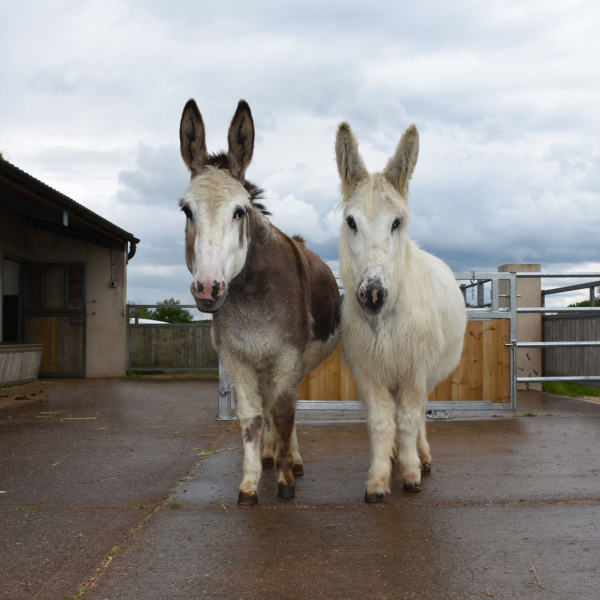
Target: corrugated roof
(42,192)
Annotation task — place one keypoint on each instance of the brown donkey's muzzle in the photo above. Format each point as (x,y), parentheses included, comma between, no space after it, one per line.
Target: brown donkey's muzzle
(209,298)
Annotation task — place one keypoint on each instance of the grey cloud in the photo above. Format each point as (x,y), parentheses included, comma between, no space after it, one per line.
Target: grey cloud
(159,177)
(503,95)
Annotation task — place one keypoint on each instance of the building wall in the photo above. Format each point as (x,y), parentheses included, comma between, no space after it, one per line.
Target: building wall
(13,245)
(14,235)
(105,305)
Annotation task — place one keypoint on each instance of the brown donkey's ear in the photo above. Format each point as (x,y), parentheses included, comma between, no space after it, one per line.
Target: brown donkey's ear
(350,163)
(241,140)
(192,138)
(401,165)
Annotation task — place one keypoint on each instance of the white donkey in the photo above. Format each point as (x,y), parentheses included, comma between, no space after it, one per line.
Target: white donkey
(403,316)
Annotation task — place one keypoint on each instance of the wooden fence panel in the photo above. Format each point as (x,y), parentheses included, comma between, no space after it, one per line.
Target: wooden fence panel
(562,362)
(482,374)
(173,346)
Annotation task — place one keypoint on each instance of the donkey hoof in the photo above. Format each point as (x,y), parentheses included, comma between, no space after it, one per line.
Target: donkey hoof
(268,462)
(298,470)
(373,497)
(426,467)
(287,490)
(247,498)
(412,487)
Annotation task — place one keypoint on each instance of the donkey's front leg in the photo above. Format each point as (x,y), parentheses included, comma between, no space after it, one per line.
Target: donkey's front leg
(413,449)
(380,408)
(250,416)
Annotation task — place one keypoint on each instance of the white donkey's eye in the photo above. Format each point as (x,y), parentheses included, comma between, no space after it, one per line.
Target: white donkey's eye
(397,222)
(187,212)
(351,222)
(238,213)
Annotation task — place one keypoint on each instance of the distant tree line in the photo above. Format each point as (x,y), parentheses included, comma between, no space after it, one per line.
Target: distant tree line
(167,311)
(585,303)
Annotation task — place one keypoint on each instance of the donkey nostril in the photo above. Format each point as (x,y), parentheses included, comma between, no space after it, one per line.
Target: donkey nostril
(217,289)
(199,287)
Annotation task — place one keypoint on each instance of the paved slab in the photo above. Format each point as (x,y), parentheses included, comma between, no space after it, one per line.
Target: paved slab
(510,510)
(80,471)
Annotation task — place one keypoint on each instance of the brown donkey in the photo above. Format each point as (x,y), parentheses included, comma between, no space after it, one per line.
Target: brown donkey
(275,304)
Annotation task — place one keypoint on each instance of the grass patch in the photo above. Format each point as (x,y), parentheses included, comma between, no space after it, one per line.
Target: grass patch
(32,507)
(573,390)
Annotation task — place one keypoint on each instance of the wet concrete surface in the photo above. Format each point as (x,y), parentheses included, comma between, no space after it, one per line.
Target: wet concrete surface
(128,489)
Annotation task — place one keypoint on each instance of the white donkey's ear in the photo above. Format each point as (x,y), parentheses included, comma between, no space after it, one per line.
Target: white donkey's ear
(241,140)
(401,165)
(192,138)
(350,163)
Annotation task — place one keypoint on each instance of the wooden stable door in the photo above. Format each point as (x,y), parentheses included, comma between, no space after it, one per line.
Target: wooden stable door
(55,316)
(483,373)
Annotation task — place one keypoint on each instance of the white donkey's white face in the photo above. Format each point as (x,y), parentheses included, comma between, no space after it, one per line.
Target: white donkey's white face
(216,205)
(373,236)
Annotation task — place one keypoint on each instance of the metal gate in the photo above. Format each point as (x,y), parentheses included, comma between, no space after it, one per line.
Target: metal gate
(485,378)
(563,310)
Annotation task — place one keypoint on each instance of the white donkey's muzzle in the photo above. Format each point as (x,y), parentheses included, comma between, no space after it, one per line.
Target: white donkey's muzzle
(372,291)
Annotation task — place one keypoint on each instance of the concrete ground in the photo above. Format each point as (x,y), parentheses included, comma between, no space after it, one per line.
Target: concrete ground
(127,489)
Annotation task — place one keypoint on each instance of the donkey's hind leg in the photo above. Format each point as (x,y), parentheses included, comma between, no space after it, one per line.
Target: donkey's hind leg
(423,446)
(298,465)
(284,410)
(268,441)
(268,446)
(268,391)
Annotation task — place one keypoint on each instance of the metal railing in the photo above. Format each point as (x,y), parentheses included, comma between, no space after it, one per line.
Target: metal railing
(591,285)
(501,306)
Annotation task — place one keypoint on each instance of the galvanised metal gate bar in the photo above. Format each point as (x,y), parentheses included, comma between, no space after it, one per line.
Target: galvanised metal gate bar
(591,285)
(502,305)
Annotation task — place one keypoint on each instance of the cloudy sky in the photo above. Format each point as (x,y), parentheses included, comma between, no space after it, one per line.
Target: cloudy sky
(505,94)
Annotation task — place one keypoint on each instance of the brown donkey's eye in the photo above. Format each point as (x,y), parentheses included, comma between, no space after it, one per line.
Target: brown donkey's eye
(238,214)
(187,212)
